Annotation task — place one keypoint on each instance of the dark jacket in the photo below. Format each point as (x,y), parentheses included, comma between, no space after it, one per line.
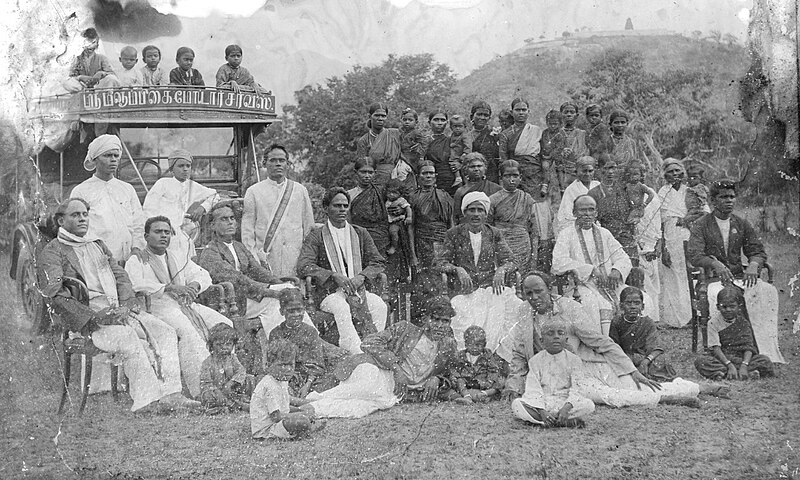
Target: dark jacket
(706,245)
(457,252)
(247,281)
(58,261)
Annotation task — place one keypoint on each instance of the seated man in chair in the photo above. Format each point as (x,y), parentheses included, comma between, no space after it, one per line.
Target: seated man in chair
(717,243)
(113,320)
(341,257)
(173,293)
(480,258)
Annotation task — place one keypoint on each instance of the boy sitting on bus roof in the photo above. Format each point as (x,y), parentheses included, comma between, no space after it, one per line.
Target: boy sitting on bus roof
(129,76)
(90,69)
(234,76)
(184,74)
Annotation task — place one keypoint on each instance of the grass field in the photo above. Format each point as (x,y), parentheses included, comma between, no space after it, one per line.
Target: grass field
(753,435)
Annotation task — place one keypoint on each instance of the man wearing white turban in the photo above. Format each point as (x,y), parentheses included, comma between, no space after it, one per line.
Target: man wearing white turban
(183,201)
(478,255)
(115,214)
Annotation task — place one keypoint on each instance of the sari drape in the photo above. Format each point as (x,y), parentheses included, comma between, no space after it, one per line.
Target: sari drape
(384,149)
(433,210)
(513,214)
(438,152)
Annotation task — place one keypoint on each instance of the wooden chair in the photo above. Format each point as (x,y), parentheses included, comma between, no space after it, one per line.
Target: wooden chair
(76,344)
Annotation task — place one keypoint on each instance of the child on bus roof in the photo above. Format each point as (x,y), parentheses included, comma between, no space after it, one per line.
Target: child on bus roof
(152,73)
(184,74)
(234,76)
(129,76)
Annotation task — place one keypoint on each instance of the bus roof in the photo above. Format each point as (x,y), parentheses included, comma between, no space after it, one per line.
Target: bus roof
(157,105)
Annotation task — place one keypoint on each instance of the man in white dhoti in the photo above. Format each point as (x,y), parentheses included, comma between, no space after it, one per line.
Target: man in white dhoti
(611,378)
(718,242)
(226,260)
(115,214)
(172,294)
(277,216)
(478,255)
(183,201)
(144,345)
(596,258)
(340,257)
(584,168)
(675,304)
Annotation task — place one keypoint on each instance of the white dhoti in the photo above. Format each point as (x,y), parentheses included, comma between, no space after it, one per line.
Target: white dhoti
(581,406)
(606,387)
(652,288)
(674,302)
(336,304)
(192,348)
(367,390)
(761,301)
(496,314)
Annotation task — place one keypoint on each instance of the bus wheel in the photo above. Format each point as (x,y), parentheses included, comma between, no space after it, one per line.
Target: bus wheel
(30,296)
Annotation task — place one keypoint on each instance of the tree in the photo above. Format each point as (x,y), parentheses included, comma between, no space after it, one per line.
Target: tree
(730,39)
(320,131)
(715,35)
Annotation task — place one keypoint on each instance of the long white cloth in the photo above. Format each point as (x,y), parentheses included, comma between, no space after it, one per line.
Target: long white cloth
(367,390)
(648,232)
(260,204)
(761,301)
(675,303)
(336,304)
(496,314)
(565,218)
(172,198)
(115,214)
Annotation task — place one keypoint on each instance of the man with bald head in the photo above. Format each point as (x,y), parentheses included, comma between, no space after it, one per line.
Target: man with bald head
(597,260)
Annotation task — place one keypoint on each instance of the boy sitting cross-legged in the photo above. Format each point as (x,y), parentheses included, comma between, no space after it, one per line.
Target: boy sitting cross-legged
(551,397)
(273,412)
(478,374)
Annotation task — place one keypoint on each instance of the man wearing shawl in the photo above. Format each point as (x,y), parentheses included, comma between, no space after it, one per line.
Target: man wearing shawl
(718,242)
(476,182)
(144,345)
(115,214)
(597,260)
(277,216)
(183,201)
(340,257)
(674,301)
(479,257)
(172,292)
(611,377)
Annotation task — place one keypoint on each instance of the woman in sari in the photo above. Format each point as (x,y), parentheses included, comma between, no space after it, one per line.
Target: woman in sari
(624,149)
(521,143)
(381,144)
(438,151)
(484,138)
(512,212)
(433,214)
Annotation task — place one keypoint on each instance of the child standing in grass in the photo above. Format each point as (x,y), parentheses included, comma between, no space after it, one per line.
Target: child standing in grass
(273,412)
(477,374)
(184,74)
(639,196)
(224,383)
(734,353)
(551,397)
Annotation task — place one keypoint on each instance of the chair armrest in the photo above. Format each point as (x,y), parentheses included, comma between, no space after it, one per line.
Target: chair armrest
(77,289)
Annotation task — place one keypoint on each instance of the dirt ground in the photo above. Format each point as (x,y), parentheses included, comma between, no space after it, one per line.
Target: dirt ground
(753,435)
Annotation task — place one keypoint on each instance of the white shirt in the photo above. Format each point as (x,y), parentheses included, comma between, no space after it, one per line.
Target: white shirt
(270,395)
(565,218)
(476,240)
(341,238)
(725,229)
(233,252)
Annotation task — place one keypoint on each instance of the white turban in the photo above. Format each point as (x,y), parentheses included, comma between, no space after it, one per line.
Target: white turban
(179,154)
(99,146)
(473,197)
(668,162)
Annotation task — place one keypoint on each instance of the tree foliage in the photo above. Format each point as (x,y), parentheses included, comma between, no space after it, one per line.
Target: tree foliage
(320,131)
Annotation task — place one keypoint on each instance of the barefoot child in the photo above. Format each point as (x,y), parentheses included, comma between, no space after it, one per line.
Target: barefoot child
(151,72)
(129,76)
(734,353)
(575,146)
(639,196)
(551,397)
(273,412)
(184,74)
(316,358)
(460,145)
(224,383)
(477,374)
(234,76)
(394,198)
(696,195)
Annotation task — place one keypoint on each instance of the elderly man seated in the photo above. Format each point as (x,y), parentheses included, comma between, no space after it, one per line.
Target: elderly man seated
(146,346)
(596,258)
(340,257)
(226,260)
(480,258)
(717,243)
(173,292)
(612,379)
(403,361)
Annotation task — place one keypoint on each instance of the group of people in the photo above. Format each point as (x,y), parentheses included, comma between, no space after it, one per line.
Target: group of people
(482,263)
(94,70)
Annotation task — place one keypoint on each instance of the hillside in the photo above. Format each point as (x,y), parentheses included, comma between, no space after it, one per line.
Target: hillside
(543,72)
